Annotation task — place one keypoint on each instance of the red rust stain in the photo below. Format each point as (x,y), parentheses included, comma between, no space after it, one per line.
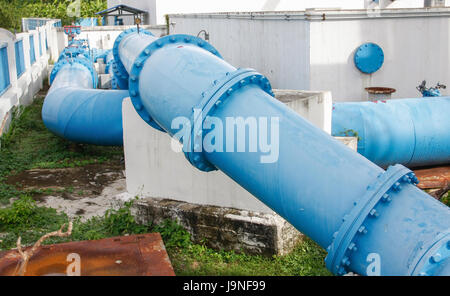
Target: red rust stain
(433,178)
(132,255)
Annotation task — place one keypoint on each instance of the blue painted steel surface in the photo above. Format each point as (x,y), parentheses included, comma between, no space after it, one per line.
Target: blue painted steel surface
(82,60)
(40,44)
(432,93)
(20,61)
(109,60)
(32,51)
(369,58)
(73,52)
(412,132)
(337,197)
(75,111)
(4,69)
(121,72)
(87,22)
(99,53)
(121,81)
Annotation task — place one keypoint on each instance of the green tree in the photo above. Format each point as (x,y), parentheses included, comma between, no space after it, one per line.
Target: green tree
(12,11)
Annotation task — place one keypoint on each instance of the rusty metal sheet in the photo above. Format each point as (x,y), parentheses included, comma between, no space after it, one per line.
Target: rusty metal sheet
(433,178)
(134,255)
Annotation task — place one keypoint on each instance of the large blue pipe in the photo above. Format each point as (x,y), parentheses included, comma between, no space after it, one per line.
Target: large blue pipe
(371,221)
(76,111)
(412,132)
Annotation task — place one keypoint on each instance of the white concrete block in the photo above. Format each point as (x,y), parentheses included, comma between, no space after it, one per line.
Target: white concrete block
(104,81)
(316,106)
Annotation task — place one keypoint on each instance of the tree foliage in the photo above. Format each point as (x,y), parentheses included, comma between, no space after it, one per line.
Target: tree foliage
(12,11)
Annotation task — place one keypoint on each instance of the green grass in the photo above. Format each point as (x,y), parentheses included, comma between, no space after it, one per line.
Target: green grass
(24,218)
(446,198)
(29,145)
(307,259)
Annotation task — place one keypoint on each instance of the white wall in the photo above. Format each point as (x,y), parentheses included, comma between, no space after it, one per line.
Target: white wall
(415,49)
(103,37)
(276,48)
(23,88)
(159,8)
(298,50)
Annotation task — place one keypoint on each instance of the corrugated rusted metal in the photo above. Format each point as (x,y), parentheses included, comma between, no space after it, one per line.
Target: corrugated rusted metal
(135,255)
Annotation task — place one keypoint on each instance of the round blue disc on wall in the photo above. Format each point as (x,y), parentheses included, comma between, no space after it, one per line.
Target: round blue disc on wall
(369,57)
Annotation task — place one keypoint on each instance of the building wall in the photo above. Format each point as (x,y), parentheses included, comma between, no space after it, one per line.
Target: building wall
(415,49)
(314,50)
(275,47)
(146,5)
(23,88)
(159,8)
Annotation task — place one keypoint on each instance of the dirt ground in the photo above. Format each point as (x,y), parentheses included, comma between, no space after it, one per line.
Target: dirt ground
(79,192)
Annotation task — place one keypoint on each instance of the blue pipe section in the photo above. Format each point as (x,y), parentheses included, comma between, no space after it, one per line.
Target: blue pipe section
(412,132)
(73,109)
(109,60)
(371,221)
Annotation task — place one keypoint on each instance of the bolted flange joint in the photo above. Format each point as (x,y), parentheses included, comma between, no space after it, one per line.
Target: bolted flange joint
(213,98)
(159,44)
(435,258)
(78,60)
(354,226)
(120,68)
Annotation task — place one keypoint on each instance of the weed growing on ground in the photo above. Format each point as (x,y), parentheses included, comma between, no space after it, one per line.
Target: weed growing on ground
(24,218)
(29,145)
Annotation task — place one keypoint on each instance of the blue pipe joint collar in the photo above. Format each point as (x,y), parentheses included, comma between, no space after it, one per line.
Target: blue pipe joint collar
(122,72)
(116,70)
(353,228)
(212,99)
(133,83)
(436,261)
(79,60)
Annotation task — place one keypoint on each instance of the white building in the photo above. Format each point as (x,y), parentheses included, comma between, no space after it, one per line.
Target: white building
(157,9)
(314,50)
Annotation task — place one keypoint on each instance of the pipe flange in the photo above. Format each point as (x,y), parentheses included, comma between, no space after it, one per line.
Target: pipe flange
(72,52)
(213,98)
(353,228)
(133,83)
(78,60)
(108,67)
(117,72)
(120,67)
(435,255)
(114,84)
